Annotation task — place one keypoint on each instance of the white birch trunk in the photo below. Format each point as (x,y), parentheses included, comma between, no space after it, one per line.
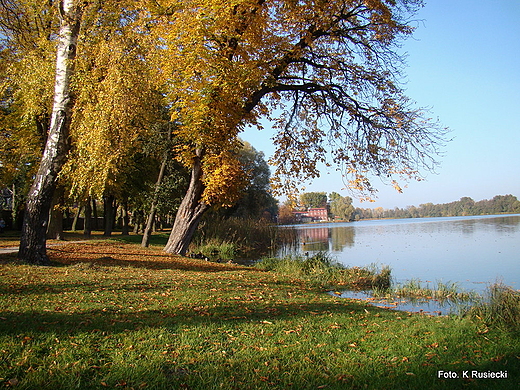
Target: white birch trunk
(33,240)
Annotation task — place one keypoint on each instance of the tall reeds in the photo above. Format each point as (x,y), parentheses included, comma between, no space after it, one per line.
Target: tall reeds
(440,291)
(500,306)
(236,238)
(324,270)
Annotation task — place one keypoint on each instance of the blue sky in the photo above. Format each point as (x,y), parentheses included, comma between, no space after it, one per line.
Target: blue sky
(464,64)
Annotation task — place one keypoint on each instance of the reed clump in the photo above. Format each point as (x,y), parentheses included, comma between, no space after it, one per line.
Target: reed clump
(441,291)
(214,249)
(500,306)
(324,270)
(229,238)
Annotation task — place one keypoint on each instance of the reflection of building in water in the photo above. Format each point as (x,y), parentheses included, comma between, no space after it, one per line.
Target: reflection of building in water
(316,239)
(313,214)
(326,238)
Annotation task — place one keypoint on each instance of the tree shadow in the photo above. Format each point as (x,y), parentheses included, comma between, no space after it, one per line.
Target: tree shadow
(112,322)
(145,258)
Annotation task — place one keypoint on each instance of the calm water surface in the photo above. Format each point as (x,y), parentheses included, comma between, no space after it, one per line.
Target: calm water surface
(472,251)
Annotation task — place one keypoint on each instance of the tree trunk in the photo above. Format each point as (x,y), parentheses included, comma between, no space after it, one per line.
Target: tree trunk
(190,211)
(14,208)
(125,228)
(39,200)
(87,223)
(95,224)
(76,217)
(153,207)
(109,207)
(55,226)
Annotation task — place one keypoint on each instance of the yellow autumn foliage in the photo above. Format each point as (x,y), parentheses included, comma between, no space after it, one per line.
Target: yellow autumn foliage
(325,72)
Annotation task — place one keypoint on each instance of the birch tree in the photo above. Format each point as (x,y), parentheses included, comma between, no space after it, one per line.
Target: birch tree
(33,242)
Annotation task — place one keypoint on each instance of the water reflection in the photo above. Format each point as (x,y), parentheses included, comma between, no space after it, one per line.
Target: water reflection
(314,240)
(425,306)
(342,238)
(472,251)
(320,238)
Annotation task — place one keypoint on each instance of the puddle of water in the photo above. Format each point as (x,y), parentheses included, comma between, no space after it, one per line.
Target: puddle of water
(426,306)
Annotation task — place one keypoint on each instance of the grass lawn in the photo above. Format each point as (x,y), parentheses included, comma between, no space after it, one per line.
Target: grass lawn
(114,315)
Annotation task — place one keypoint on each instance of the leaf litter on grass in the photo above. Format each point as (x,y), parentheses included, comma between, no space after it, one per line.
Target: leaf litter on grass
(126,316)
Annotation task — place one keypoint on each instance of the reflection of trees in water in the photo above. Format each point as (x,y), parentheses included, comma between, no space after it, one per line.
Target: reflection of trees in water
(342,237)
(504,224)
(497,224)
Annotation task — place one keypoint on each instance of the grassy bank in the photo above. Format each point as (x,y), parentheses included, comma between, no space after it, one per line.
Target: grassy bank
(113,315)
(324,271)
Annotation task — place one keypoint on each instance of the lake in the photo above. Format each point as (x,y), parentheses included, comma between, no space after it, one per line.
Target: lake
(471,251)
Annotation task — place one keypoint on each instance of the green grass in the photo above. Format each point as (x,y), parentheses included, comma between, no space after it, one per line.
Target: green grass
(499,307)
(113,315)
(440,291)
(156,239)
(323,270)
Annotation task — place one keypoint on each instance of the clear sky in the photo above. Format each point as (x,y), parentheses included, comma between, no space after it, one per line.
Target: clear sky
(464,64)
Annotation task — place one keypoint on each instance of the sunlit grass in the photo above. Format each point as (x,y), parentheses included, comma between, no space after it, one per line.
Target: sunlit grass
(500,306)
(114,315)
(324,270)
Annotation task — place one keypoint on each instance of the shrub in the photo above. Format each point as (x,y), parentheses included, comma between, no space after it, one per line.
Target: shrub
(213,249)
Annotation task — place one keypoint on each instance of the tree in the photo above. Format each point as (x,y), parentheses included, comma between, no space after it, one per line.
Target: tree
(256,198)
(341,207)
(155,197)
(313,199)
(108,88)
(26,81)
(285,213)
(32,242)
(330,66)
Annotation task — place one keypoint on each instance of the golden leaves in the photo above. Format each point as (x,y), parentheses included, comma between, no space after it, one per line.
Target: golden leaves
(224,178)
(116,106)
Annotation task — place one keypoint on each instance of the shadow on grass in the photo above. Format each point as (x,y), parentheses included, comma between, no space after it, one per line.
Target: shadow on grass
(120,311)
(418,374)
(94,255)
(115,320)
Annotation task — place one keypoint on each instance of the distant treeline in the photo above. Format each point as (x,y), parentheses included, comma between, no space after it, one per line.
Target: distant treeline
(500,204)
